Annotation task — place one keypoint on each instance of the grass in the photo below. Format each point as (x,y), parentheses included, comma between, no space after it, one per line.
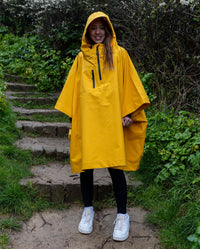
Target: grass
(60,117)
(10,223)
(16,202)
(4,240)
(31,105)
(172,211)
(34,95)
(173,205)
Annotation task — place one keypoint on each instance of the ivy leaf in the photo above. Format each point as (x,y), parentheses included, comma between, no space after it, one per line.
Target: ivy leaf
(198,230)
(192,238)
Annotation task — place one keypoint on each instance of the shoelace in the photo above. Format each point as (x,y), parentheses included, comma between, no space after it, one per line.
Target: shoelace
(119,223)
(88,216)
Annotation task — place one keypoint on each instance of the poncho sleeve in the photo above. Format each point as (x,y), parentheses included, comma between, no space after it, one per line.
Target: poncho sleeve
(134,101)
(134,96)
(66,98)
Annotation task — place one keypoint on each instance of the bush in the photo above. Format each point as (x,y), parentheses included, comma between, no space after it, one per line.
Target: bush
(3,87)
(60,22)
(170,172)
(162,37)
(174,142)
(30,57)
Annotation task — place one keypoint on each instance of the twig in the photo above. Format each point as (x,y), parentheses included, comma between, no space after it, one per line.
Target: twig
(45,222)
(104,242)
(33,228)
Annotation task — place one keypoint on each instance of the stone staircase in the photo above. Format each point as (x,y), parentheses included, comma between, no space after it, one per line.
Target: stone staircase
(54,181)
(58,228)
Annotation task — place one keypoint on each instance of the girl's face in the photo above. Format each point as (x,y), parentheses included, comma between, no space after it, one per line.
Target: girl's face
(97,31)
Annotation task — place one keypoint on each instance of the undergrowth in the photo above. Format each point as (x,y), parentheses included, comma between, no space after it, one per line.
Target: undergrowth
(30,57)
(170,172)
(16,202)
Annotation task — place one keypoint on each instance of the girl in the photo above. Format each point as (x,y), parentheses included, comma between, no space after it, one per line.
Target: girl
(106,100)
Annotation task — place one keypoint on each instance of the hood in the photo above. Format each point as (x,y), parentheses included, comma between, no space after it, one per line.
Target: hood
(90,19)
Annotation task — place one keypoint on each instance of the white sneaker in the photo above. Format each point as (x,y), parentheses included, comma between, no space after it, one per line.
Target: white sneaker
(86,223)
(121,230)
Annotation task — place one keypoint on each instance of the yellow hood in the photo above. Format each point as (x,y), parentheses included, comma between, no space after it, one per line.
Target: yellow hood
(90,19)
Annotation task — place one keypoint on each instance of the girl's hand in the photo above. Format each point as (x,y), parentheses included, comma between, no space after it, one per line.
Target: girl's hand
(126,121)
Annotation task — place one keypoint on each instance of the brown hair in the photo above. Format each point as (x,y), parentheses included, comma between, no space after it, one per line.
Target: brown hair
(108,56)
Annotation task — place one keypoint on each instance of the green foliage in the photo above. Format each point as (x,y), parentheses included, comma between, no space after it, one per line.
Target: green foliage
(147,80)
(10,223)
(59,22)
(49,118)
(195,238)
(3,87)
(8,131)
(174,140)
(4,241)
(14,165)
(170,172)
(32,58)
(162,37)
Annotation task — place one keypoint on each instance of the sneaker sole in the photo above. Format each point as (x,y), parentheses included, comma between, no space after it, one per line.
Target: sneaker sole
(121,238)
(84,232)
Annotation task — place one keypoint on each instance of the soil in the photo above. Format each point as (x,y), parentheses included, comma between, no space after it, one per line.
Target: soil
(59,230)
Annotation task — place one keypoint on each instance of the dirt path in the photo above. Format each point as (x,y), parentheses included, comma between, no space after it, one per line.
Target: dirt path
(58,230)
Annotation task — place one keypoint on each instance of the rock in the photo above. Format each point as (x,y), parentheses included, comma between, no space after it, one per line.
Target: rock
(49,146)
(56,183)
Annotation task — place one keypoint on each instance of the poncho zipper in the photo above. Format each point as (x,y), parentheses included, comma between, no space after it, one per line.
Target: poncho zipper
(93,80)
(98,61)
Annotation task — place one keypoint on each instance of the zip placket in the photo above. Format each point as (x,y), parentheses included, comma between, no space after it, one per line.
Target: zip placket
(93,80)
(99,68)
(98,61)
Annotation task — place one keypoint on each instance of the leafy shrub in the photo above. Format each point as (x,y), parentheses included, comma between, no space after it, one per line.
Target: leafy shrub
(170,172)
(147,80)
(175,141)
(161,36)
(59,21)
(3,87)
(195,238)
(50,71)
(32,58)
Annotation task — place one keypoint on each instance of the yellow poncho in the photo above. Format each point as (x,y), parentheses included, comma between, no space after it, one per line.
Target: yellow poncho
(96,98)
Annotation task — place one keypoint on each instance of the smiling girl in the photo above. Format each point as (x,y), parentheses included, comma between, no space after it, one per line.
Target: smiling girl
(106,100)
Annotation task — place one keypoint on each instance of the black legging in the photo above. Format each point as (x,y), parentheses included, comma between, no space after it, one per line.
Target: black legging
(119,187)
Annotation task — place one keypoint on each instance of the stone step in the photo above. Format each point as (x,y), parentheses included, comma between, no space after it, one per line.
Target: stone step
(34,100)
(54,129)
(28,112)
(52,147)
(34,94)
(13,86)
(16,78)
(56,182)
